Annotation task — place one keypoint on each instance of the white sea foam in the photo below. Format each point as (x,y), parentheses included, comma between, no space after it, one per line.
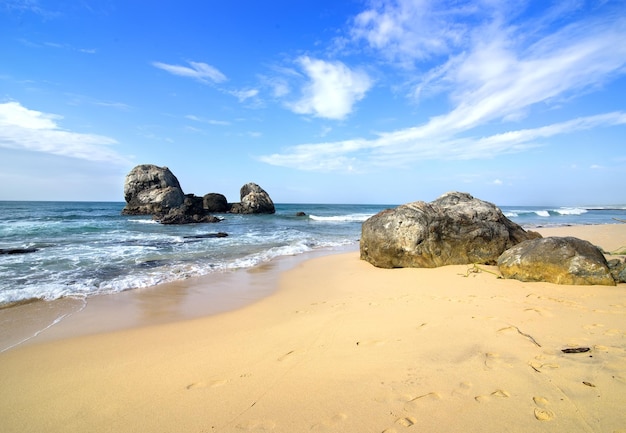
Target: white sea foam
(570,211)
(542,213)
(342,218)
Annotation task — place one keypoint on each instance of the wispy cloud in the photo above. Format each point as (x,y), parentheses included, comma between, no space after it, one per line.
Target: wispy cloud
(427,142)
(491,71)
(244,95)
(332,89)
(208,121)
(25,129)
(197,70)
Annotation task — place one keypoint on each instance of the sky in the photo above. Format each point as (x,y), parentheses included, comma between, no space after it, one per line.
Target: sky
(317,101)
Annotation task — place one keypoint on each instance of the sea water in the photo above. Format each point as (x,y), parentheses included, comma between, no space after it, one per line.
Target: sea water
(85,248)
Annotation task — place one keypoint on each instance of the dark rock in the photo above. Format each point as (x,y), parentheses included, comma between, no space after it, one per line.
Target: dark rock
(214,202)
(207,235)
(559,260)
(454,229)
(177,217)
(300,214)
(254,200)
(18,250)
(149,190)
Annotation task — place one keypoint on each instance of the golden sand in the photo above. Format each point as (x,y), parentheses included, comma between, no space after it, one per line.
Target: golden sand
(343,346)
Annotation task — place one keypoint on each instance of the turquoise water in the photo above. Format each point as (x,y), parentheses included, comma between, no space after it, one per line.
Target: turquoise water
(86,248)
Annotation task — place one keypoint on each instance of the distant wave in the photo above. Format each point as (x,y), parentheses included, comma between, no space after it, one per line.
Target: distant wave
(357,217)
(544,213)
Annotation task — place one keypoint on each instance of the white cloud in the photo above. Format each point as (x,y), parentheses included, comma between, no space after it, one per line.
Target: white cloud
(25,129)
(497,75)
(209,121)
(197,70)
(332,90)
(243,95)
(406,30)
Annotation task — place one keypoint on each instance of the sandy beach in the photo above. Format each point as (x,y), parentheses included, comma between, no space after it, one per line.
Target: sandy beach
(338,345)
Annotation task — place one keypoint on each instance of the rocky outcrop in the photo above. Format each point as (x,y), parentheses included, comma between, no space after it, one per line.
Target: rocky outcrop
(254,199)
(190,212)
(454,229)
(149,190)
(152,190)
(565,260)
(214,202)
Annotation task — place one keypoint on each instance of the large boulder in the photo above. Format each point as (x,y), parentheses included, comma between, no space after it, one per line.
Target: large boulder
(254,199)
(565,260)
(454,229)
(149,190)
(214,202)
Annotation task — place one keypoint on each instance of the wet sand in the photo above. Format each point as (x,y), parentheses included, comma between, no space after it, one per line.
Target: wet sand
(340,345)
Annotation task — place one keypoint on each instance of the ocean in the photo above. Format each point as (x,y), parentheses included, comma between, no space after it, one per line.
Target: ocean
(88,248)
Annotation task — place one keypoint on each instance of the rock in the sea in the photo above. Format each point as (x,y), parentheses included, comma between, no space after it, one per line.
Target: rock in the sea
(17,250)
(177,216)
(559,260)
(214,202)
(149,190)
(190,212)
(454,229)
(254,199)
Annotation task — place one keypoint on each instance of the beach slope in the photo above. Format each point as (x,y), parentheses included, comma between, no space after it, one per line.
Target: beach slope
(343,346)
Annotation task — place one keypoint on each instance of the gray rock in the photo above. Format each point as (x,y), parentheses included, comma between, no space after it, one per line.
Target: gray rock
(618,270)
(214,202)
(454,229)
(149,189)
(254,200)
(559,260)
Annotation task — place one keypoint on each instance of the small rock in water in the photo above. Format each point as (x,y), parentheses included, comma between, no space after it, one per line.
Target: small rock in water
(18,250)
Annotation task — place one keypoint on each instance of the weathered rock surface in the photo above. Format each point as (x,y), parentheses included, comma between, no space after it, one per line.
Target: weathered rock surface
(618,270)
(149,189)
(254,199)
(214,202)
(454,229)
(560,260)
(153,190)
(190,212)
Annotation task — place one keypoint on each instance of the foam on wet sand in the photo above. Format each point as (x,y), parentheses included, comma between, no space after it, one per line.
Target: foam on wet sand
(344,346)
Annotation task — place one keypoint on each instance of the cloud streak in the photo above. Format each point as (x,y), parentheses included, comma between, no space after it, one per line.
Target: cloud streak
(492,75)
(197,70)
(36,131)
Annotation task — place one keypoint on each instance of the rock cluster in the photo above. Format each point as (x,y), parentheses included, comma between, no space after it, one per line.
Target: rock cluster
(153,190)
(460,229)
(454,229)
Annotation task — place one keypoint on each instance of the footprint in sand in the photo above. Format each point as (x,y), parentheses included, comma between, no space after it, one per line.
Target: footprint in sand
(542,413)
(498,393)
(493,360)
(209,384)
(330,423)
(412,403)
(407,421)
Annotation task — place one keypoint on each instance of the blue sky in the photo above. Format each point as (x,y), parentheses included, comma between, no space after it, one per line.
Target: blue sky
(319,101)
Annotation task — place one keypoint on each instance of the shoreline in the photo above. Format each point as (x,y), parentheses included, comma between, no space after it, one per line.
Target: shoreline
(340,345)
(38,321)
(34,321)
